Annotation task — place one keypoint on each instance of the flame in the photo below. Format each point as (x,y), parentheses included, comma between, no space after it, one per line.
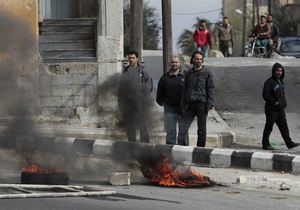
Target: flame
(163,173)
(34,168)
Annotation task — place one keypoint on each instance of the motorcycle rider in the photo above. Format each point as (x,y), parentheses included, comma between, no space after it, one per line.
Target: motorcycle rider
(263,31)
(274,33)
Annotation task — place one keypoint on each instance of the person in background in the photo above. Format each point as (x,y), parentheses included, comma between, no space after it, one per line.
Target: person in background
(275,103)
(168,95)
(202,37)
(224,37)
(134,96)
(263,33)
(274,36)
(197,99)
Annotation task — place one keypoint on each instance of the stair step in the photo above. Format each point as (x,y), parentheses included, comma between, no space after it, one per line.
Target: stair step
(68,53)
(68,40)
(75,59)
(71,21)
(66,36)
(66,45)
(67,28)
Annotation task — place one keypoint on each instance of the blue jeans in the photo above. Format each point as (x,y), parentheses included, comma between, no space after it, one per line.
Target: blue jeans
(265,43)
(173,117)
(203,50)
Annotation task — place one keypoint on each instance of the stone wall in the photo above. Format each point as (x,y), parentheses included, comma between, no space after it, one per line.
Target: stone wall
(66,86)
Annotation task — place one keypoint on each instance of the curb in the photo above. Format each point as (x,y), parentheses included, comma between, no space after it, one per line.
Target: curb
(126,151)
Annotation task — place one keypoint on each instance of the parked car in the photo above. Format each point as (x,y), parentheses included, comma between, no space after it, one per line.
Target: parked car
(289,46)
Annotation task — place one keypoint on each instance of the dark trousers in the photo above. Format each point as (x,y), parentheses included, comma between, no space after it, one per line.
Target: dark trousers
(173,116)
(280,119)
(194,109)
(133,120)
(226,48)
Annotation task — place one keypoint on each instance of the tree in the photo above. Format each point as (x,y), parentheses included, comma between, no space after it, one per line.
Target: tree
(186,43)
(151,27)
(283,18)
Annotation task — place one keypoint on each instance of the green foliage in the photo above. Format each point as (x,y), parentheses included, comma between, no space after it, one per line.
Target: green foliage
(151,27)
(186,42)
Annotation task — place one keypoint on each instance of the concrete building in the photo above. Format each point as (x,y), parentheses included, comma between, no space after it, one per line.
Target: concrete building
(55,54)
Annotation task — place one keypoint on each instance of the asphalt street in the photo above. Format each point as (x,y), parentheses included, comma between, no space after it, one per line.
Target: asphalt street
(259,189)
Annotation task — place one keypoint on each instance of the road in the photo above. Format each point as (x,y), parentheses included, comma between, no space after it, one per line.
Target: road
(239,101)
(261,189)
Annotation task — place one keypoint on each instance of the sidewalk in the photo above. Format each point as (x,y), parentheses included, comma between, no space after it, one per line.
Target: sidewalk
(108,143)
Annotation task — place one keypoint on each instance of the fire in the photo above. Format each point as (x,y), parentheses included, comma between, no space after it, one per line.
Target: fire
(34,168)
(165,174)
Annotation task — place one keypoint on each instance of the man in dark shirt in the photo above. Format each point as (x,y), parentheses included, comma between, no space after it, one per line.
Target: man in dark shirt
(197,98)
(274,33)
(133,97)
(169,96)
(274,96)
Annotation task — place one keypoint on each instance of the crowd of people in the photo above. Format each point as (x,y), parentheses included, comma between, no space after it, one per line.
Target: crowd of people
(187,94)
(183,94)
(265,32)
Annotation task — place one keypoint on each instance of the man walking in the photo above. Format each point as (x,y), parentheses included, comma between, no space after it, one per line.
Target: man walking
(133,97)
(169,96)
(197,99)
(202,37)
(224,33)
(274,95)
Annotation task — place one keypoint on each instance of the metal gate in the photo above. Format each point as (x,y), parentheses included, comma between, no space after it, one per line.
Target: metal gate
(58,9)
(13,191)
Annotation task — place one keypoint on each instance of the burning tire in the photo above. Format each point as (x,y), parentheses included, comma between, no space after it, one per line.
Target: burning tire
(55,178)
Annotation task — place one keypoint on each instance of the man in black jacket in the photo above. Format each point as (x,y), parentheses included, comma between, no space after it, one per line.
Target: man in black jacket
(133,97)
(168,95)
(274,95)
(197,98)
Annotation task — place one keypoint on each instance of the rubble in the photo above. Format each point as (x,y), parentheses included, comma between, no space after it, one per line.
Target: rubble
(241,180)
(285,186)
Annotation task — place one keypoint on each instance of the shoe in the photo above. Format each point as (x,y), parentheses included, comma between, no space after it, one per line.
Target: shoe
(293,145)
(269,148)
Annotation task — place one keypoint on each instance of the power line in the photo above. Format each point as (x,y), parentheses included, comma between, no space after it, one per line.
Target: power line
(196,13)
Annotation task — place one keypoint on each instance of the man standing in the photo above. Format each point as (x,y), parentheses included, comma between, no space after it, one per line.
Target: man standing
(197,99)
(133,97)
(274,32)
(263,30)
(224,33)
(169,96)
(274,95)
(202,37)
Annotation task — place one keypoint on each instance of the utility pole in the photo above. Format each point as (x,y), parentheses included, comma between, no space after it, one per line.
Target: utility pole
(136,28)
(167,33)
(244,27)
(257,10)
(253,13)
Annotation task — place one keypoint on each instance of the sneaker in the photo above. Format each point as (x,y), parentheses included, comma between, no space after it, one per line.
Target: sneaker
(293,145)
(269,148)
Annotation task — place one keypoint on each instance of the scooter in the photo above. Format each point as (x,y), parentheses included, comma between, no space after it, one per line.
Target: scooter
(255,49)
